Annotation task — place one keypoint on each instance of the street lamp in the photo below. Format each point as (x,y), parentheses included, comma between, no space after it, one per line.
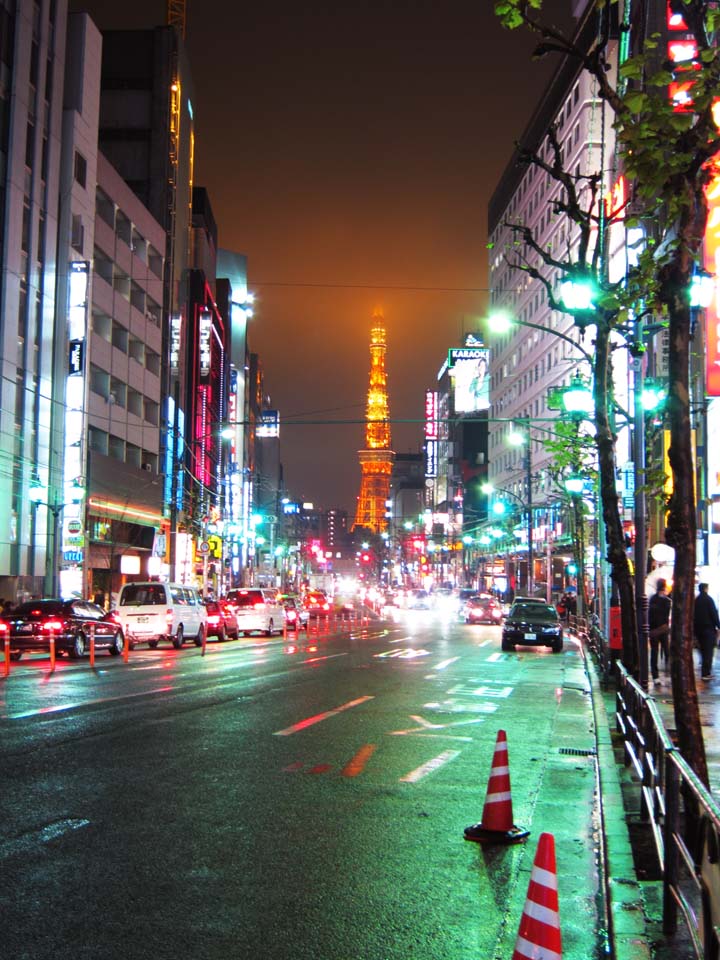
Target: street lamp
(499,508)
(37,494)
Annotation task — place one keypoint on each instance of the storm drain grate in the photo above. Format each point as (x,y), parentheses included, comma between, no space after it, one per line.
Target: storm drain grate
(573,752)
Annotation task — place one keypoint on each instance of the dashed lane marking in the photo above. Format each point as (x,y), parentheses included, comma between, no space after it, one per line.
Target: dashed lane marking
(358,762)
(319,717)
(430,767)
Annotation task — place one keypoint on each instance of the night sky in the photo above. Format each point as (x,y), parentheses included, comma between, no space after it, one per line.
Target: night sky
(350,151)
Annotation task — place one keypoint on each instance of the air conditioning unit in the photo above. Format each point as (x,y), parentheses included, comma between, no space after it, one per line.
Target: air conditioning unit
(147,466)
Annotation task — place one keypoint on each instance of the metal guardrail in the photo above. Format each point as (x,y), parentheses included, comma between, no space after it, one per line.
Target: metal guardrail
(687,846)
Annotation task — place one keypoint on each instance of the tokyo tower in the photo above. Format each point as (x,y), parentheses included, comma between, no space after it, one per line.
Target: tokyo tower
(376,459)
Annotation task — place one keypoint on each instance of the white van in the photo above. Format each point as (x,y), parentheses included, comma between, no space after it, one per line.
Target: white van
(257,609)
(150,612)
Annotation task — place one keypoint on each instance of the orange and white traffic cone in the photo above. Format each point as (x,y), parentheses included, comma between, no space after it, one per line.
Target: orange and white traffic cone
(539,934)
(497,824)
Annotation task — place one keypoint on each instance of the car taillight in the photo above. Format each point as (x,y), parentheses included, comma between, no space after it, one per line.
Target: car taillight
(169,617)
(52,625)
(213,618)
(326,606)
(259,606)
(3,627)
(291,615)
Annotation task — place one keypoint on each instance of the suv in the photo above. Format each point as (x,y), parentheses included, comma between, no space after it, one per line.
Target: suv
(257,609)
(154,611)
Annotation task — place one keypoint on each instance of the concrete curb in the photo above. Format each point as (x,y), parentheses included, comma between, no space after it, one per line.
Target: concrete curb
(628,927)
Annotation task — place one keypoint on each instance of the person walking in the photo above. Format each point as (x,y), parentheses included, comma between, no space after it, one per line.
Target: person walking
(659,626)
(705,626)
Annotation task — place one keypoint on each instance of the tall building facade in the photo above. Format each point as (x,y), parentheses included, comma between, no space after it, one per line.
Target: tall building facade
(540,350)
(376,459)
(32,349)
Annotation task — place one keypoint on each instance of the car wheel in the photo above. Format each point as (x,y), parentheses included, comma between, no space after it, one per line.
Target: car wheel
(557,646)
(77,649)
(178,639)
(270,629)
(16,655)
(199,639)
(117,645)
(152,644)
(221,635)
(506,645)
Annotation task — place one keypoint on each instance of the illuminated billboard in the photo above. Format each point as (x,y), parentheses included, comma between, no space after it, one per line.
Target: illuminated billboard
(469,371)
(269,424)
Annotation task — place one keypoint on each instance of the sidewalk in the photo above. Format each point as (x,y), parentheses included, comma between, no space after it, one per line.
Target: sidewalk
(635,904)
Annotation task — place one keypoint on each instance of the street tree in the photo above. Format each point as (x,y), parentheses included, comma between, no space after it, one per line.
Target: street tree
(668,151)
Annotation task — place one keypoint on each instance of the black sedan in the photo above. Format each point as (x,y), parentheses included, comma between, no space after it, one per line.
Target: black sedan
(71,623)
(534,625)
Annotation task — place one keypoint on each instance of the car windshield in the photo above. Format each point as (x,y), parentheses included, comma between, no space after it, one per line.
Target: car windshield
(534,611)
(142,595)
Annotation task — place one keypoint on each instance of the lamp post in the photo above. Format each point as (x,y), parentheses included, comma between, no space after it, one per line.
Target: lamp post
(498,508)
(37,494)
(517,439)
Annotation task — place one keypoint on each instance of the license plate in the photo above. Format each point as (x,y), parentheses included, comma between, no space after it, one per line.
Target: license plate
(25,628)
(143,619)
(530,636)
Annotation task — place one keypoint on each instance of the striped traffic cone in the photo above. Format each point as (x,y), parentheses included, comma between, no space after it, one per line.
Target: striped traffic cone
(497,824)
(539,934)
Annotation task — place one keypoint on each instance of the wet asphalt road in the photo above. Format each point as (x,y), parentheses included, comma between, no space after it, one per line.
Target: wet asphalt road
(273,800)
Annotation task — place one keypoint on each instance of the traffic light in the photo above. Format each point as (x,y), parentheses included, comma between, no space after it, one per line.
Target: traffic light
(365,558)
(571,569)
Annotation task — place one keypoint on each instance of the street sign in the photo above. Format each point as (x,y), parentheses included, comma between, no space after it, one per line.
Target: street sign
(74,526)
(203,547)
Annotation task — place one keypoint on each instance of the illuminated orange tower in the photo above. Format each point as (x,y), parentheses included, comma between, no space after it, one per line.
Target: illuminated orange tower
(376,459)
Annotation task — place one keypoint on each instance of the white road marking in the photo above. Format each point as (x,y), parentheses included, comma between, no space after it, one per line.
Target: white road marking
(419,772)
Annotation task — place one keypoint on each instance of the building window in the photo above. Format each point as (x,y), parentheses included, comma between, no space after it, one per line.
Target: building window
(77,236)
(80,169)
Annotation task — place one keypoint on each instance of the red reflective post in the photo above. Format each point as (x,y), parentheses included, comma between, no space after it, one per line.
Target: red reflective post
(6,668)
(126,648)
(92,644)
(52,651)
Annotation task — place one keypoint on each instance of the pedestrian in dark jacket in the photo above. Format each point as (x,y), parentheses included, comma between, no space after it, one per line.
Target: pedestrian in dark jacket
(659,625)
(705,626)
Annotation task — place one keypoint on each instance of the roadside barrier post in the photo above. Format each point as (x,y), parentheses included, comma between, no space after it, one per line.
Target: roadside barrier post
(92,644)
(6,665)
(52,651)
(203,645)
(126,648)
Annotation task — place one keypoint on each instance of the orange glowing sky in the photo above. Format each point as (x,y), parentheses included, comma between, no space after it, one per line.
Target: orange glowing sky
(350,151)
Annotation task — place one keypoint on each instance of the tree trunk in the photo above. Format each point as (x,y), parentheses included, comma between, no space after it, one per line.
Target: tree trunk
(616,555)
(681,530)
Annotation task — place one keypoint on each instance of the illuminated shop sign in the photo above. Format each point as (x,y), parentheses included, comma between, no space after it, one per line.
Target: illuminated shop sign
(711,264)
(77,299)
(468,369)
(431,414)
(76,357)
(431,458)
(175,333)
(204,345)
(268,424)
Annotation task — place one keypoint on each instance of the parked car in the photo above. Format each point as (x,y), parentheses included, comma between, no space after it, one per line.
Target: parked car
(532,624)
(257,610)
(481,608)
(221,620)
(153,611)
(295,617)
(316,603)
(71,622)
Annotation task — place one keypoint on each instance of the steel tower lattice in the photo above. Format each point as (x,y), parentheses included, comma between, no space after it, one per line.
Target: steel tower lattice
(376,459)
